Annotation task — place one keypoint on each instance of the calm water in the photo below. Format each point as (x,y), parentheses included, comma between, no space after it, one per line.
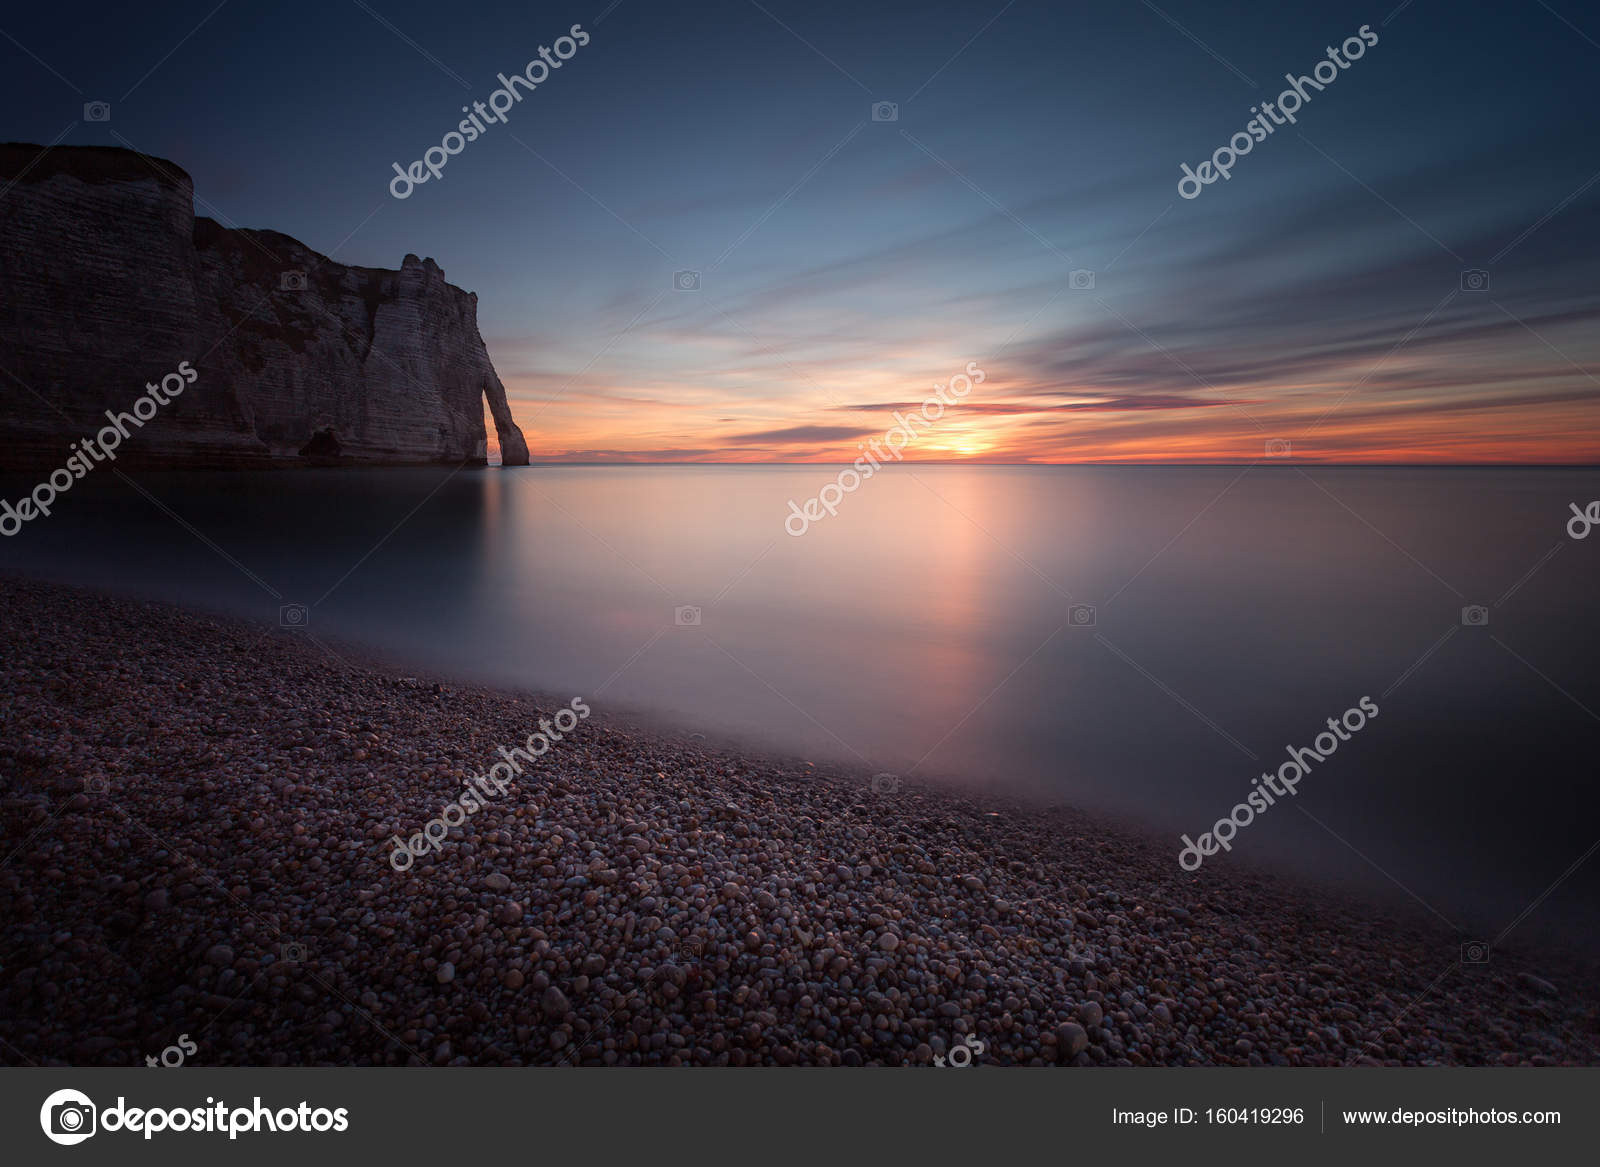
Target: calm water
(928,628)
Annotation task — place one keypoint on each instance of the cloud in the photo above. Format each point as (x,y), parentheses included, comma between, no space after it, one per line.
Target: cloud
(1098,405)
(807,433)
(1299,298)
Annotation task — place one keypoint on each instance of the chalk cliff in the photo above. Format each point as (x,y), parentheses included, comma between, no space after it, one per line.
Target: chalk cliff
(108,280)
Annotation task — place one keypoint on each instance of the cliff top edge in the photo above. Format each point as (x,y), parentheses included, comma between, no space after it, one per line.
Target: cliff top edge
(30,162)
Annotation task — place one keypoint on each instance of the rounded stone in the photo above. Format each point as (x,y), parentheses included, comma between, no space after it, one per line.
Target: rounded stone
(1071,1040)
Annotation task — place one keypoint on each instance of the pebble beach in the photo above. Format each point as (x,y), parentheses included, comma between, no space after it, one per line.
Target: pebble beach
(198,823)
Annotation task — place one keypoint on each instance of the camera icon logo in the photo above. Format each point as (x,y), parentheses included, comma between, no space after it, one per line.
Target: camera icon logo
(96,784)
(686,281)
(97,111)
(292,953)
(1278,448)
(292,281)
(1475,616)
(686,616)
(1474,952)
(886,784)
(885,111)
(67,1117)
(294,616)
(1474,279)
(962,1053)
(1081,280)
(1081,616)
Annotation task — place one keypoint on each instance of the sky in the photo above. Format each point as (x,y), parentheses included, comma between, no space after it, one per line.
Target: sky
(869,198)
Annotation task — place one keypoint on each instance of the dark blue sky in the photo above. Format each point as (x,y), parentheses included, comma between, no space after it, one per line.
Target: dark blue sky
(846,264)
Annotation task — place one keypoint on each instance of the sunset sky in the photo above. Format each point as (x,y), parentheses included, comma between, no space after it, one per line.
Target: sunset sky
(847,264)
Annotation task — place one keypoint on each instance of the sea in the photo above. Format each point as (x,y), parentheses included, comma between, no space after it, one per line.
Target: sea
(1148,644)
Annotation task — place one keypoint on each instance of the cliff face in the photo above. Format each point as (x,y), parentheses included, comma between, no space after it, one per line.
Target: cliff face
(108,281)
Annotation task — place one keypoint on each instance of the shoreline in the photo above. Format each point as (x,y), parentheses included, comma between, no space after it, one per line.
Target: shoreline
(198,815)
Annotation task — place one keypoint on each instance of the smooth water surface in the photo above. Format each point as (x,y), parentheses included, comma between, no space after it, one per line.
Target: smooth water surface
(930,628)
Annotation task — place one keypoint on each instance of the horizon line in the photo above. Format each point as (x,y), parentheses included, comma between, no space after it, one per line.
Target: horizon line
(535,460)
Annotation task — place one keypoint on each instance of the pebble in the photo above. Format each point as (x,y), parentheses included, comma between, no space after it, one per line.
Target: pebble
(1071,1040)
(675,904)
(555,1003)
